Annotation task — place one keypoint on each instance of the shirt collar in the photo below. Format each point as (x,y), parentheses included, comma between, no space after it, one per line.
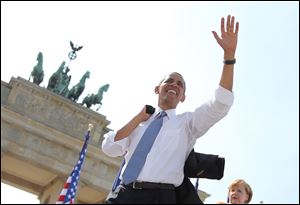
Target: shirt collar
(171,112)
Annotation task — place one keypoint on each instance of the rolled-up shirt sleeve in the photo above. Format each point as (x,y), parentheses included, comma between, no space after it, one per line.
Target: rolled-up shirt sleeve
(114,148)
(210,112)
(224,96)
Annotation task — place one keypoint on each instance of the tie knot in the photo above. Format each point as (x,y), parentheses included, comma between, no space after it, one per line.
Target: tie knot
(162,114)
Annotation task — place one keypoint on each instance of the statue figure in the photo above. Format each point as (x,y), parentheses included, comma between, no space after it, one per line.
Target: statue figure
(95,99)
(76,90)
(38,73)
(56,79)
(62,86)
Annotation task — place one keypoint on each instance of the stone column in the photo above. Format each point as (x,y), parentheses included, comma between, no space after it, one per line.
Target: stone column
(51,192)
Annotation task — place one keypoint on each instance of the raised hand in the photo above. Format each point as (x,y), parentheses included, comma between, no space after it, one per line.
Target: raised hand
(229,36)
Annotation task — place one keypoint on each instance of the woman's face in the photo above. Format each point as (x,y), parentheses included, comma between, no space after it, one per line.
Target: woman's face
(238,194)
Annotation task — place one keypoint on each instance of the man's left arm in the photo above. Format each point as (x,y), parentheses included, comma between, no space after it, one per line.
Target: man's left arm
(228,41)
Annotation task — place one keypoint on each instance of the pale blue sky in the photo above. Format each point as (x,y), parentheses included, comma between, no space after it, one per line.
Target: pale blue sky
(131,45)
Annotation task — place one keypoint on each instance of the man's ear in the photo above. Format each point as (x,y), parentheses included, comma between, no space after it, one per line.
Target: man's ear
(156,89)
(182,98)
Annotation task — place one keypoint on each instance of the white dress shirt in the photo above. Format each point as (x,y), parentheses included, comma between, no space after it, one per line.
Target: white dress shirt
(177,137)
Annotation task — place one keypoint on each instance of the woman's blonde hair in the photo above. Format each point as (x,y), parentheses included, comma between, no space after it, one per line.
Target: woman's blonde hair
(247,187)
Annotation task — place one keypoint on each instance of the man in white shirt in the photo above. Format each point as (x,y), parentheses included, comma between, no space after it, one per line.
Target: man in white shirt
(163,168)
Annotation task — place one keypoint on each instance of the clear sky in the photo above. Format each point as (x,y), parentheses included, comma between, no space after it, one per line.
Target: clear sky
(131,45)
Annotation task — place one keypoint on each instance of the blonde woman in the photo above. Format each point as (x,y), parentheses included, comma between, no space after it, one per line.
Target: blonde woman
(239,192)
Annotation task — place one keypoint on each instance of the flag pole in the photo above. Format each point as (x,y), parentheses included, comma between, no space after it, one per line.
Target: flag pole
(90,127)
(197,184)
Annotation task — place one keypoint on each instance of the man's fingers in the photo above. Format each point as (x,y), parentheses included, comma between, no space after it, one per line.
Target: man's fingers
(216,36)
(228,24)
(236,28)
(232,24)
(222,25)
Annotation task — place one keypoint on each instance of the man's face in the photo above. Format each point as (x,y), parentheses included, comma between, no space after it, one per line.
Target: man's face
(171,91)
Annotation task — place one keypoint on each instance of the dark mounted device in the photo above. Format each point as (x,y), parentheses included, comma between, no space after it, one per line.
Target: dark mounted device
(149,109)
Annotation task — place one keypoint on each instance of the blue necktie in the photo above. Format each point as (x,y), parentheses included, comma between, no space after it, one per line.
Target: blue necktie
(138,158)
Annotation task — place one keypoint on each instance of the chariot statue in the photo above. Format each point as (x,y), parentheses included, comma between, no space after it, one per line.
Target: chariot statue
(76,90)
(93,99)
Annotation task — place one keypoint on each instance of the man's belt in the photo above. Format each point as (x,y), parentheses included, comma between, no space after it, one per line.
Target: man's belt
(149,185)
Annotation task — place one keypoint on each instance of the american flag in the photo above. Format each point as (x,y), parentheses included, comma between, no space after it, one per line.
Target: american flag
(117,181)
(67,195)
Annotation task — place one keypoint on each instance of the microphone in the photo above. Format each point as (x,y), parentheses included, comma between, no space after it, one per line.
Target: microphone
(149,109)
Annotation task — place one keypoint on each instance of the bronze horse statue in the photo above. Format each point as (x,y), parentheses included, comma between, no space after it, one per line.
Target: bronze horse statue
(76,90)
(38,73)
(90,100)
